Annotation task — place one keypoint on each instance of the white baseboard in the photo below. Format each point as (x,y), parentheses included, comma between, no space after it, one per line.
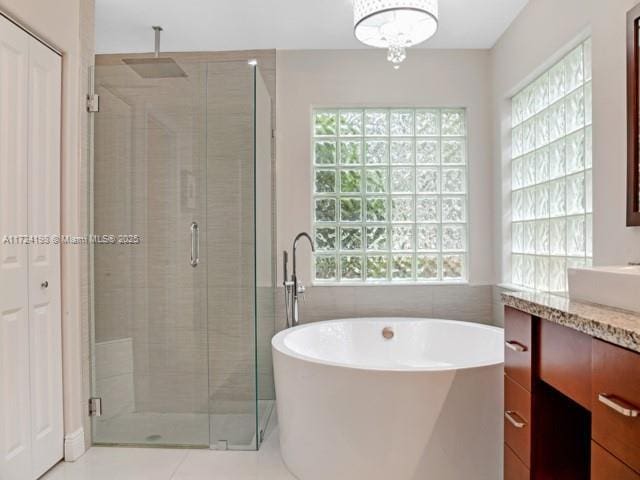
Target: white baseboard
(74,445)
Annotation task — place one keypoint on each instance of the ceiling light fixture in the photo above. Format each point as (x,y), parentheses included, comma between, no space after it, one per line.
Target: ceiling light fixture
(395,24)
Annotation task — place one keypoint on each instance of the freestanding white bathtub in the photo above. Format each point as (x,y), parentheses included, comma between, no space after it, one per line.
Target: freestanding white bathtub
(425,404)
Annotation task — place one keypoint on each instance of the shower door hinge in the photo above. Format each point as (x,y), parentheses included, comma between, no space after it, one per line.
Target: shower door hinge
(93,103)
(95,406)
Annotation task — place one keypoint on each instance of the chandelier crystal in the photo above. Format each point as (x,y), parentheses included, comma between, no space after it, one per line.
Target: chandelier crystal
(395,24)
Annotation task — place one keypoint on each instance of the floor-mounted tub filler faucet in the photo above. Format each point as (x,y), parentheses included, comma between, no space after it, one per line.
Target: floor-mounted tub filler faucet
(293,288)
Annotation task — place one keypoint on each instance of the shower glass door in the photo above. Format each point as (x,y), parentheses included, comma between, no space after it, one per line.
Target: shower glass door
(150,299)
(182,320)
(239,248)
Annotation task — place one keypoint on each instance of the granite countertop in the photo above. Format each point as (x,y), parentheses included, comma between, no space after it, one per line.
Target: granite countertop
(619,327)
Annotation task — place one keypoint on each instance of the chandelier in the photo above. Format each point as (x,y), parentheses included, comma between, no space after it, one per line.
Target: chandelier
(395,24)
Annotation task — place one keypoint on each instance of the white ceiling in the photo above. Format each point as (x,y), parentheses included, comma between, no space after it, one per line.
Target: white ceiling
(201,25)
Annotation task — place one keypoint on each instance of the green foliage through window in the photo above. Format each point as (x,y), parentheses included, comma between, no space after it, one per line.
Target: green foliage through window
(390,194)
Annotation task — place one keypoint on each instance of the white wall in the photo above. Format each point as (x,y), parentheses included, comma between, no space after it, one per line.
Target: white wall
(544,30)
(311,78)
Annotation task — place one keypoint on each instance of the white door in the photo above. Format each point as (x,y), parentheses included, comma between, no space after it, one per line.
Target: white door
(45,337)
(15,425)
(31,430)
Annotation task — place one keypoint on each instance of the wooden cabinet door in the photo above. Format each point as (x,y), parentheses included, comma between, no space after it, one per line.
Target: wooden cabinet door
(616,376)
(518,346)
(605,466)
(517,419)
(565,361)
(514,469)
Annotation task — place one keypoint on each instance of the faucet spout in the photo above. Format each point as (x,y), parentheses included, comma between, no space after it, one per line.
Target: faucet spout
(296,287)
(295,247)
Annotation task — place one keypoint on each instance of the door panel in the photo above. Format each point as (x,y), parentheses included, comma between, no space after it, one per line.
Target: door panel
(14,351)
(150,317)
(44,259)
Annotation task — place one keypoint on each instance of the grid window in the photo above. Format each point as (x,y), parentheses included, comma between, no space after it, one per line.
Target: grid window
(551,174)
(390,194)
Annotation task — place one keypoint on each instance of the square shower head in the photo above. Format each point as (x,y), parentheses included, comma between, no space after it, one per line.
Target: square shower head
(155,67)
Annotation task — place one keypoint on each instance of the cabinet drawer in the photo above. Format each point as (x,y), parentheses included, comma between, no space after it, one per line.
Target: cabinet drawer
(517,420)
(565,361)
(616,401)
(605,466)
(517,350)
(514,469)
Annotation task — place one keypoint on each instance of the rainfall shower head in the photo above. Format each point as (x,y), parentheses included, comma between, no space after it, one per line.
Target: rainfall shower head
(155,67)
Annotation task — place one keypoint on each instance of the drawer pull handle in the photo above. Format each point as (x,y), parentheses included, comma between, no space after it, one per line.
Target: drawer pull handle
(515,346)
(516,422)
(620,406)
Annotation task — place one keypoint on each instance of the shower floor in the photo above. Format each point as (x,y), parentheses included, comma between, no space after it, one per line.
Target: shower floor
(184,429)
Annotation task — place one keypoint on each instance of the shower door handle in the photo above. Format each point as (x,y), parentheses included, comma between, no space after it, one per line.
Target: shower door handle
(195,244)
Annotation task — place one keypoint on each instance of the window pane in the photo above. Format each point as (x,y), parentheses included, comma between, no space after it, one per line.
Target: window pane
(325,210)
(351,153)
(376,123)
(350,181)
(428,152)
(377,152)
(350,123)
(351,267)
(453,122)
(325,123)
(551,177)
(427,122)
(377,267)
(325,153)
(351,238)
(325,268)
(389,191)
(377,210)
(325,238)
(402,123)
(325,181)
(350,209)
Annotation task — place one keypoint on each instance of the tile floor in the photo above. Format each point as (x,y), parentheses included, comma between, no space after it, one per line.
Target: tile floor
(186,428)
(110,463)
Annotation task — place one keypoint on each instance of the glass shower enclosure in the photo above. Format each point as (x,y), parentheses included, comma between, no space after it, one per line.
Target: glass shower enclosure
(182,262)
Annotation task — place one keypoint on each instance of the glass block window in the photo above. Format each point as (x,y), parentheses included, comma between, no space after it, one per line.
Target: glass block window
(390,195)
(551,174)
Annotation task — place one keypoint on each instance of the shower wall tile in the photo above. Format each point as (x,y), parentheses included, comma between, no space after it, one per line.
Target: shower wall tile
(113,358)
(116,305)
(117,395)
(266,328)
(403,301)
(456,302)
(231,351)
(497,305)
(469,303)
(171,393)
(114,376)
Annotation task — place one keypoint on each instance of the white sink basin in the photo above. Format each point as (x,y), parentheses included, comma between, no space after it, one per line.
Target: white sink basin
(613,286)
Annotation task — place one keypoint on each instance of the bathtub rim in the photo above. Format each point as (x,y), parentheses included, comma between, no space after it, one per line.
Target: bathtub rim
(277,344)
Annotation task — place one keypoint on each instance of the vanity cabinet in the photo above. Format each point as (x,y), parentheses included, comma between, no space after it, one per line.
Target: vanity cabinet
(518,333)
(571,404)
(616,401)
